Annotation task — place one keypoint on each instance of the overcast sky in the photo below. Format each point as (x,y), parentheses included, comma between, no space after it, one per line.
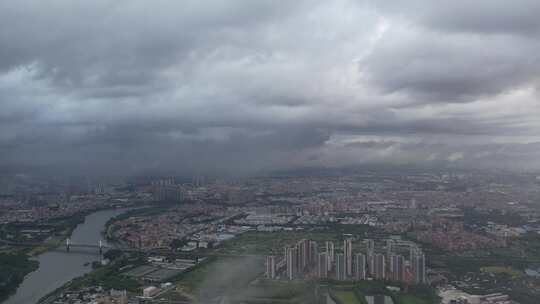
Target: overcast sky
(246,86)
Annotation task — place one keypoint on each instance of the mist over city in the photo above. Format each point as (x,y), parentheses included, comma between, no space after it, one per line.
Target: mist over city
(270,152)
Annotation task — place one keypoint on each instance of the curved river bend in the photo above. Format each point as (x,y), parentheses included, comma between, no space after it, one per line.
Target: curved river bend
(57,267)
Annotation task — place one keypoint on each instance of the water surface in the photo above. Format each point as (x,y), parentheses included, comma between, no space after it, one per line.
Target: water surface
(57,267)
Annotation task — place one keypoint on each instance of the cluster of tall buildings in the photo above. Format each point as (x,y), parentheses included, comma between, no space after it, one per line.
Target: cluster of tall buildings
(306,259)
(300,258)
(168,194)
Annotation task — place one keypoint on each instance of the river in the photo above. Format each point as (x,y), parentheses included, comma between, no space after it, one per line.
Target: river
(57,267)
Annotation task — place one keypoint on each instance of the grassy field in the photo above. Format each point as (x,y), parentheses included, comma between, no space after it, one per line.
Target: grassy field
(415,295)
(220,274)
(513,273)
(35,251)
(107,277)
(277,292)
(239,279)
(346,297)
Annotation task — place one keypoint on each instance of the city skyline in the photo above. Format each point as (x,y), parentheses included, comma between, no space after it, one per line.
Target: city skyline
(302,261)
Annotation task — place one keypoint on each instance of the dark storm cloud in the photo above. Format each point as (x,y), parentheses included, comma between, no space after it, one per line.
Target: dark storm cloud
(121,44)
(457,51)
(457,70)
(238,87)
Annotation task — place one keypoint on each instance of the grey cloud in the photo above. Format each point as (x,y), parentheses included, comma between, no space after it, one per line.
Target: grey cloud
(484,156)
(371,144)
(482,16)
(122,44)
(451,68)
(230,86)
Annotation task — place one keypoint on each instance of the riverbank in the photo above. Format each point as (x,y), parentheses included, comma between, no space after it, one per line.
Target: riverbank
(18,263)
(106,276)
(19,270)
(57,267)
(14,267)
(99,274)
(146,210)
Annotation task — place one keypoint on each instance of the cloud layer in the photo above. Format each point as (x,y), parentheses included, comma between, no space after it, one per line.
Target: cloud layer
(240,87)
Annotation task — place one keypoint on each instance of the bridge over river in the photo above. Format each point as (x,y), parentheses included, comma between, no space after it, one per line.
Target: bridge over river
(68,245)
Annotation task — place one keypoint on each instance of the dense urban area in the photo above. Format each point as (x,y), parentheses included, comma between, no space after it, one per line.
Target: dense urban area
(269,152)
(308,237)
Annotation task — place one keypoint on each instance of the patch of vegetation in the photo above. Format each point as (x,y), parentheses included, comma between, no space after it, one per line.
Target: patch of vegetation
(530,245)
(57,227)
(35,251)
(13,269)
(178,243)
(346,297)
(270,292)
(108,277)
(113,254)
(239,280)
(513,273)
(146,211)
(220,274)
(415,294)
(410,299)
